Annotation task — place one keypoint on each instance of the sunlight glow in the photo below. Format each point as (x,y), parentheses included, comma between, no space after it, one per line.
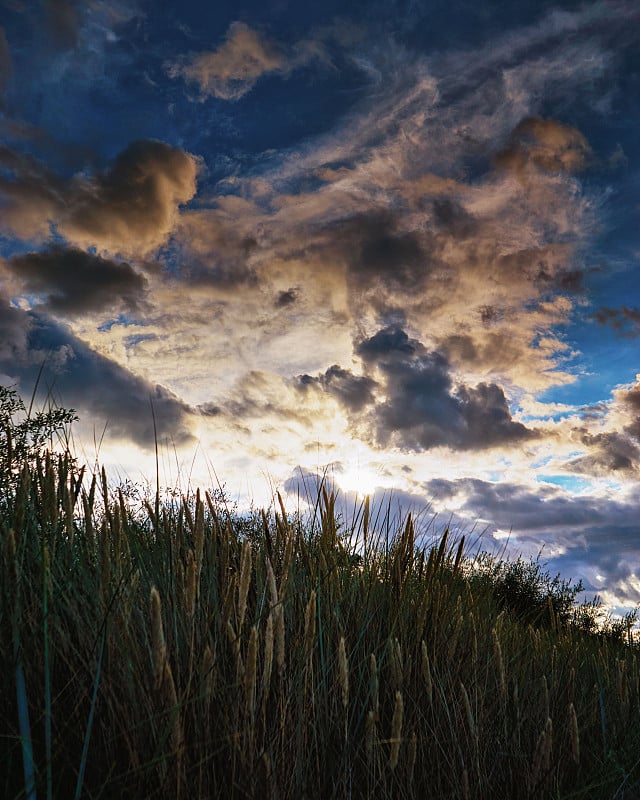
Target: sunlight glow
(362,479)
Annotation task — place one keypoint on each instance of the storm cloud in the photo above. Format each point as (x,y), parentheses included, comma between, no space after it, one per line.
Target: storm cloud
(590,536)
(423,409)
(74,282)
(610,452)
(103,390)
(353,392)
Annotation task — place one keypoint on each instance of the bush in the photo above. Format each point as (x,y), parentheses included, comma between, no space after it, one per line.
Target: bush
(24,435)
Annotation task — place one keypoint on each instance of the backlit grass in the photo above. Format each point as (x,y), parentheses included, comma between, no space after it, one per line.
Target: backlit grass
(183,652)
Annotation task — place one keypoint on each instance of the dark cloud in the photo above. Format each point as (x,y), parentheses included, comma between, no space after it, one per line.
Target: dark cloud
(545,144)
(210,410)
(451,217)
(461,348)
(75,282)
(63,22)
(564,280)
(391,339)
(354,392)
(376,249)
(423,409)
(631,403)
(287,298)
(631,399)
(13,333)
(370,246)
(594,535)
(511,506)
(611,452)
(490,314)
(100,390)
(220,259)
(624,320)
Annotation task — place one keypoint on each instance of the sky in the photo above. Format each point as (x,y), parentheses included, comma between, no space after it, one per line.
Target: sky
(393,242)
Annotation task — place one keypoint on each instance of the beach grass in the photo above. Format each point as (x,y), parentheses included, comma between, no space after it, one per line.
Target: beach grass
(176,649)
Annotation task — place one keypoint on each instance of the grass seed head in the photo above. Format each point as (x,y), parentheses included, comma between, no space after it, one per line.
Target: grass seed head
(375,687)
(468,711)
(310,623)
(497,654)
(198,534)
(208,668)
(245,581)
(250,672)
(426,672)
(280,640)
(159,647)
(170,701)
(396,731)
(343,668)
(268,656)
(370,734)
(575,734)
(271,581)
(413,752)
(191,585)
(466,790)
(396,664)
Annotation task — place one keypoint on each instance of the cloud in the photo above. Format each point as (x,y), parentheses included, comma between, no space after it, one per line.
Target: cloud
(215,246)
(480,267)
(130,208)
(612,452)
(232,70)
(422,408)
(287,297)
(624,321)
(406,398)
(545,144)
(75,282)
(13,333)
(353,392)
(388,510)
(30,196)
(101,390)
(587,536)
(377,251)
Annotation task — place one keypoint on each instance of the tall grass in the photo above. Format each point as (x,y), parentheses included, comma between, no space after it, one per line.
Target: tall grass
(180,653)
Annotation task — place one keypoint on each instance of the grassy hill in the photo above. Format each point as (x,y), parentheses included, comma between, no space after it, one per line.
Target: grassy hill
(179,650)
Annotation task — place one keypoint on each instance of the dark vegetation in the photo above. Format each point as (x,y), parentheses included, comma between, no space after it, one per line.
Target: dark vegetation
(176,648)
